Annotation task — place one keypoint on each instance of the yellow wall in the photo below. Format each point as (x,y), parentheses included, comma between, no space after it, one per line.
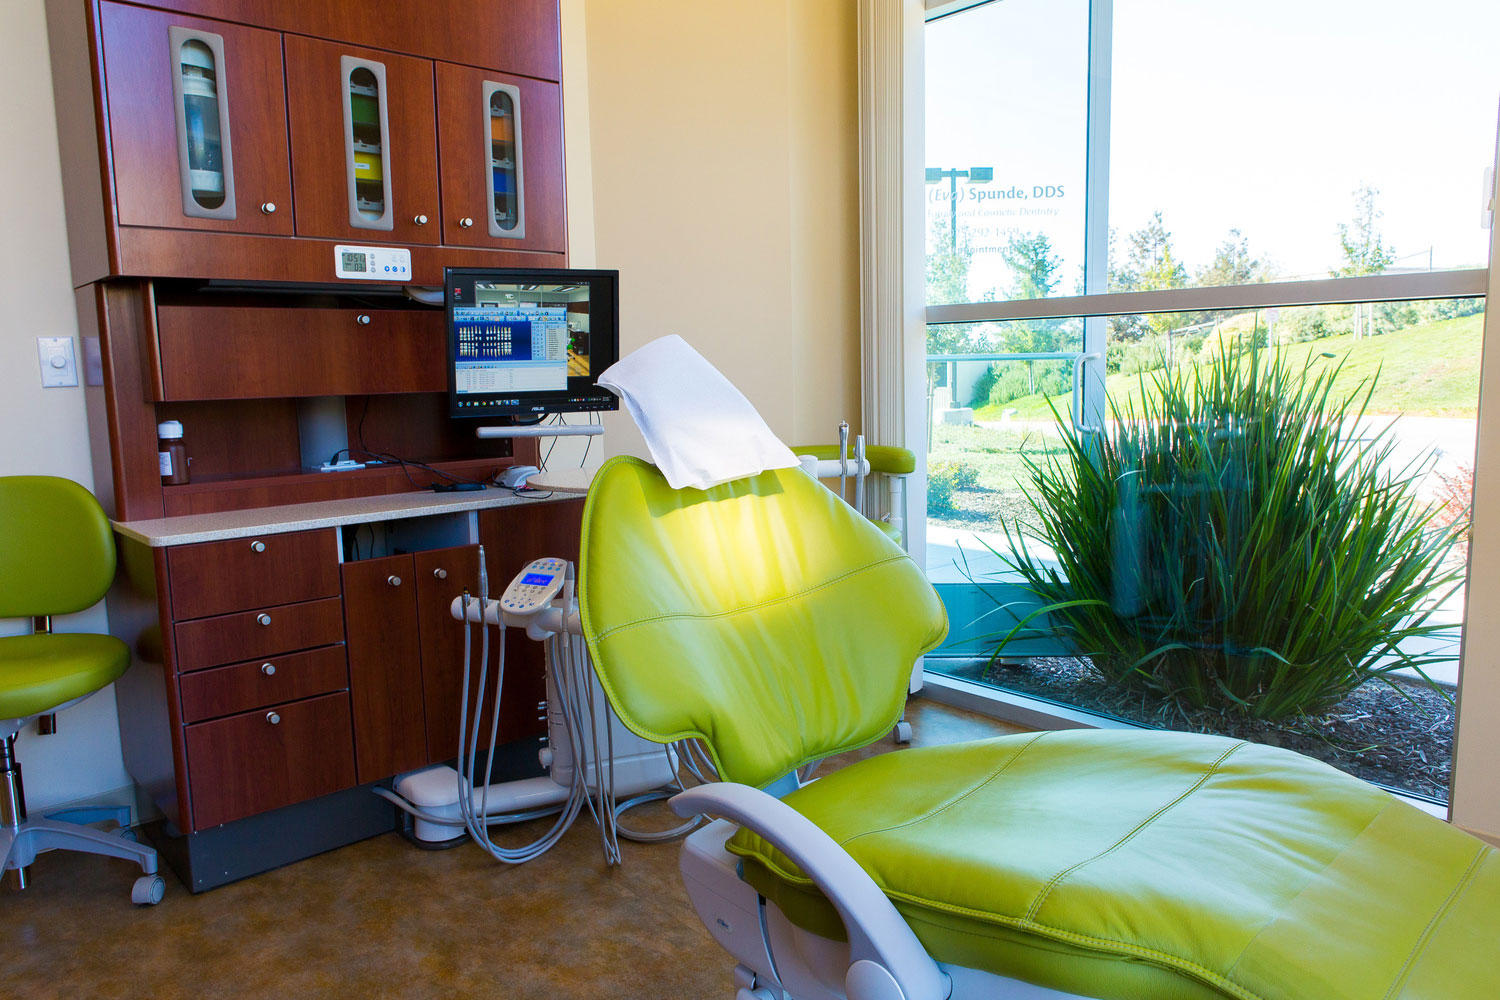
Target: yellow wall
(723,160)
(43,431)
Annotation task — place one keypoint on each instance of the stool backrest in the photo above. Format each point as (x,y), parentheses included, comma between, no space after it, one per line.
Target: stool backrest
(57,552)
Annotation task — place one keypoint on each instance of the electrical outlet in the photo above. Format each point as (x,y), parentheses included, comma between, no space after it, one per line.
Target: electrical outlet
(59,366)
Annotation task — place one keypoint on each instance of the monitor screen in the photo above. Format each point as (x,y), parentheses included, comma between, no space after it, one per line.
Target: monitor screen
(528,342)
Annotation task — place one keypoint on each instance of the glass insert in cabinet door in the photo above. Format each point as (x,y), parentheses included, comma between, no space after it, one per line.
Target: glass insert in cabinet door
(200,110)
(368,149)
(504,150)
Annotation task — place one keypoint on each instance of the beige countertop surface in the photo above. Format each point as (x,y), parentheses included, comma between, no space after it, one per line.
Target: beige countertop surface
(188,528)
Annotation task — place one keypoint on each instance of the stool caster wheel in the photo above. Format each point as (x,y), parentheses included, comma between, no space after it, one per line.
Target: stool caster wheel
(902,732)
(148,890)
(127,833)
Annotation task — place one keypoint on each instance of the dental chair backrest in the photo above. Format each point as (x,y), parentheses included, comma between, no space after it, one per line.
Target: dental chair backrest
(764,616)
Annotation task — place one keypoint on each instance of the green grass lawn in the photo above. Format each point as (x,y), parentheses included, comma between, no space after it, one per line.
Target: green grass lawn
(1429,370)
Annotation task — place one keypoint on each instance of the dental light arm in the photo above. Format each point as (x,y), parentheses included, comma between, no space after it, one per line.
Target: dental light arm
(886,961)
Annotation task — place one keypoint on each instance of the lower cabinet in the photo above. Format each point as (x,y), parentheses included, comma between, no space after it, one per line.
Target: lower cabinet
(268,758)
(385,666)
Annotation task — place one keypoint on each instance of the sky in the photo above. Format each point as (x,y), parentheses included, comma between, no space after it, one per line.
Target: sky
(1265,117)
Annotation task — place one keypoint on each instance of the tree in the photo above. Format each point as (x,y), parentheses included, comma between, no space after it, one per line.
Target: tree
(1151,265)
(1035,270)
(1360,243)
(1232,264)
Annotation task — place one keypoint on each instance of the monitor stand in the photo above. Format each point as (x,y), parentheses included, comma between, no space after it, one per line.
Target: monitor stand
(539,431)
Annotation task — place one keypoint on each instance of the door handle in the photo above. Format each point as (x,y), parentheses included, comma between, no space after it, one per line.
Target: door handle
(1078,364)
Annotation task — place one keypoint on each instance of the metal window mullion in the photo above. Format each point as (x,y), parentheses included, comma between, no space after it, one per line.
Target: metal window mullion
(1463,284)
(1096,205)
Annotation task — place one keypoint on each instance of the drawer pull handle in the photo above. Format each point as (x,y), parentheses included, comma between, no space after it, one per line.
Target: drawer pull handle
(262,619)
(420,220)
(393,580)
(257,546)
(440,573)
(273,718)
(363,319)
(465,222)
(268,207)
(269,669)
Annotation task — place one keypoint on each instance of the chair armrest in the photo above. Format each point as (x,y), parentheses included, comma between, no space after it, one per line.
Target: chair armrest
(877,933)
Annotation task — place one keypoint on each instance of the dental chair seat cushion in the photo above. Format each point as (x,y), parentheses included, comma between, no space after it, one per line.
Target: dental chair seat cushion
(40,672)
(1158,865)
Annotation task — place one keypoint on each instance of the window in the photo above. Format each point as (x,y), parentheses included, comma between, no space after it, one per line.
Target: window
(1132,208)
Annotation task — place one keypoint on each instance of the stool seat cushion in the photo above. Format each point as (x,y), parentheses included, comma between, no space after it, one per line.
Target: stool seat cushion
(40,672)
(1142,864)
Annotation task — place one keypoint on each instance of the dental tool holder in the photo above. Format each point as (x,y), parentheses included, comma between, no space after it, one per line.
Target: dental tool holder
(581,728)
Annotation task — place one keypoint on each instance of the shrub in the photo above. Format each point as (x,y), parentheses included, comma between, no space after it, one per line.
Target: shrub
(944,478)
(1234,545)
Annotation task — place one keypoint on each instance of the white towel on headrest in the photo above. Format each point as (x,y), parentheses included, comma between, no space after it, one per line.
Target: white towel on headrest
(700,429)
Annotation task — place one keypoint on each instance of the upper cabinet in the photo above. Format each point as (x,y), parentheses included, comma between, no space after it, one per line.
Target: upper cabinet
(337,123)
(197,122)
(364,143)
(500,145)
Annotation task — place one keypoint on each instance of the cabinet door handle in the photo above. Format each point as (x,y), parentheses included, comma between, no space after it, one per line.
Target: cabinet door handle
(273,718)
(420,220)
(363,319)
(257,546)
(268,207)
(393,580)
(269,669)
(465,222)
(440,573)
(262,619)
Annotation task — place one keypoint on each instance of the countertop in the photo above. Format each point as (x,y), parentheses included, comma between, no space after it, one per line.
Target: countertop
(167,531)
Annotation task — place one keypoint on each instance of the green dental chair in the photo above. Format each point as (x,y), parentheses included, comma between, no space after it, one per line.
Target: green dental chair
(57,556)
(772,623)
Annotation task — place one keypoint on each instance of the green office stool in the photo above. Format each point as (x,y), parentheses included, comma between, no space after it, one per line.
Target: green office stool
(57,556)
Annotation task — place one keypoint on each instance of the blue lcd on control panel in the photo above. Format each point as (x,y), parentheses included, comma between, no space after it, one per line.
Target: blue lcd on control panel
(536,579)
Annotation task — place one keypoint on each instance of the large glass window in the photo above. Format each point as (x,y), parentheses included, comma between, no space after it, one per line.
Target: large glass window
(1223,482)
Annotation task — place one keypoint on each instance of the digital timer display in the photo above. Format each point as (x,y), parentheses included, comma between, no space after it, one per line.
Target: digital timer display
(353,261)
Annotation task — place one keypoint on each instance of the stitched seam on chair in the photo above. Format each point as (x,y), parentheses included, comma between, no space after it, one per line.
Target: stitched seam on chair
(1110,945)
(1046,890)
(673,615)
(1161,960)
(955,800)
(1432,924)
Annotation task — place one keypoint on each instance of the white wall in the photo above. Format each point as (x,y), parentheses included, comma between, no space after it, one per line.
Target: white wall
(43,431)
(724,164)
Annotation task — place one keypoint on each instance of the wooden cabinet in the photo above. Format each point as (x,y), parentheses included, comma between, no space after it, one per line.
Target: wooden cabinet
(261,683)
(249,352)
(209,642)
(500,148)
(269,758)
(385,666)
(364,143)
(213,578)
(197,122)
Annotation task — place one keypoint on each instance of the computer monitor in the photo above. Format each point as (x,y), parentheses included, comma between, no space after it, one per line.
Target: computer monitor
(524,342)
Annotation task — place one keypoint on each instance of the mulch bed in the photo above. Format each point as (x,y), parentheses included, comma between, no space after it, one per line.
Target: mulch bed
(1399,735)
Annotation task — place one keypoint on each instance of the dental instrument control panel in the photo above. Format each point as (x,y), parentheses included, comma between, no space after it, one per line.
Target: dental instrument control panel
(534,587)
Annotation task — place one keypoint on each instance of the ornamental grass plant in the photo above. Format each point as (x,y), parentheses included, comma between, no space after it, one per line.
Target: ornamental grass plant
(1238,539)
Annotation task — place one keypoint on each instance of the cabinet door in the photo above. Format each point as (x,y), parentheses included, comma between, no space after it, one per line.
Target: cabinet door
(197,122)
(442,575)
(513,537)
(364,143)
(501,159)
(385,666)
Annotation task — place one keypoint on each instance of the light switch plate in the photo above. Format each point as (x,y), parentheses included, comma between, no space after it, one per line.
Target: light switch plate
(59,365)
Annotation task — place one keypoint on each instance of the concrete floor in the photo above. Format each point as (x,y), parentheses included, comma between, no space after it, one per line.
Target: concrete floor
(383,919)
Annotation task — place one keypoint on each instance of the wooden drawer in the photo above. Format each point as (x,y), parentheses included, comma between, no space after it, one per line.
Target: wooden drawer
(209,694)
(269,758)
(215,578)
(245,352)
(209,642)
